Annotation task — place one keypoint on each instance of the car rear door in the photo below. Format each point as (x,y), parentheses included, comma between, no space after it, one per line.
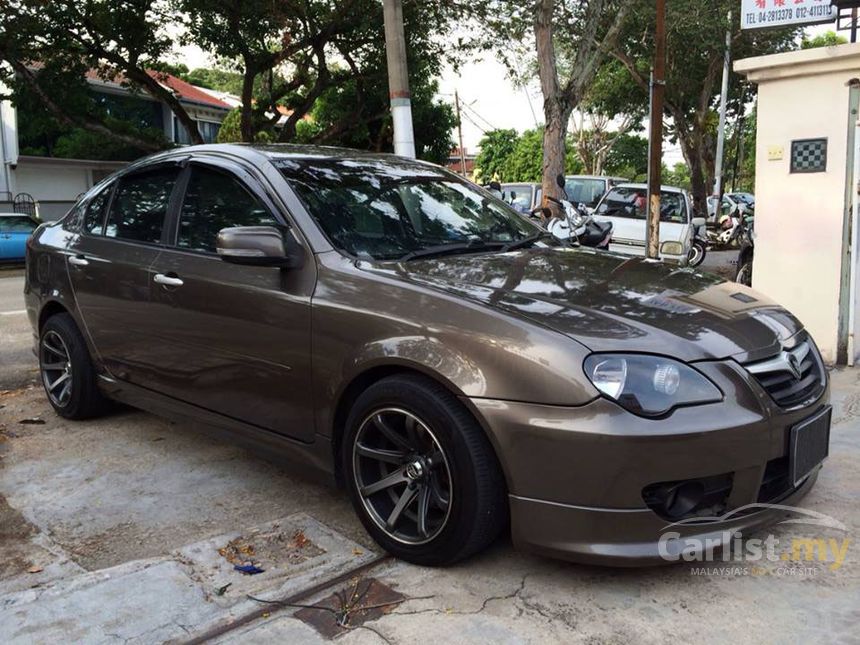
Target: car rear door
(109,262)
(232,339)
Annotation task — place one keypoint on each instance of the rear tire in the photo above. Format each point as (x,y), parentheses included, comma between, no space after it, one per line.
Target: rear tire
(443,486)
(67,372)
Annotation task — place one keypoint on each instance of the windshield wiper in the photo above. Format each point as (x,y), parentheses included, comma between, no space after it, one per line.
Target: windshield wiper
(475,245)
(527,241)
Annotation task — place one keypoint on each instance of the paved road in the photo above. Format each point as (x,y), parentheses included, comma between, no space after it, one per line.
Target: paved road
(17,364)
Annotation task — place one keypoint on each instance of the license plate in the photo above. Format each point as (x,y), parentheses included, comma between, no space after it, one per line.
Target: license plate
(810,444)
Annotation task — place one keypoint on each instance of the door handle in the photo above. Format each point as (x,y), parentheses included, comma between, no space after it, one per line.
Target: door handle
(168,281)
(78,261)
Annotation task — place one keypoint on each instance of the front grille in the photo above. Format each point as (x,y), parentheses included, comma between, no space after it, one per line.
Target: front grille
(793,377)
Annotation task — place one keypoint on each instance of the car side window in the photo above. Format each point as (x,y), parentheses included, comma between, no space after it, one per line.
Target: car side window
(94,215)
(215,200)
(140,204)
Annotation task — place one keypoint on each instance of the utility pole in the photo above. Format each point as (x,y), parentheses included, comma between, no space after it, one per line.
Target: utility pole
(724,97)
(460,134)
(398,78)
(655,145)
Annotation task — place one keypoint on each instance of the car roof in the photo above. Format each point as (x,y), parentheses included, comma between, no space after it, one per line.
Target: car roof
(275,152)
(663,189)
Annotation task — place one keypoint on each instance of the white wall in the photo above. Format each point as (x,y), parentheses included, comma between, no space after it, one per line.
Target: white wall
(799,217)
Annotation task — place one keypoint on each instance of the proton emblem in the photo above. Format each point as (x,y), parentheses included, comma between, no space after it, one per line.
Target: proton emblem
(794,365)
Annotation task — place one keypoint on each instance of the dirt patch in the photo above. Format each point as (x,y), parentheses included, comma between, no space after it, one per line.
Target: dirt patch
(270,549)
(15,534)
(359,602)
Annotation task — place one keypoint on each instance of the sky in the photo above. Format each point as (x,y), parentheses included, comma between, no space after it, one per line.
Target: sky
(489,99)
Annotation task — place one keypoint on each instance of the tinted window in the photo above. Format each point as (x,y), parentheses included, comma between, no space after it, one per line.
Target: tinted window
(214,200)
(387,210)
(631,202)
(94,216)
(17,224)
(140,204)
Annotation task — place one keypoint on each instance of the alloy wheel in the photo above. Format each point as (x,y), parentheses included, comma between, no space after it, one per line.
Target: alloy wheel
(402,476)
(56,366)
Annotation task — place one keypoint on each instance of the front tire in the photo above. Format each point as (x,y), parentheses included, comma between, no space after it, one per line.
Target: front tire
(698,251)
(67,372)
(422,476)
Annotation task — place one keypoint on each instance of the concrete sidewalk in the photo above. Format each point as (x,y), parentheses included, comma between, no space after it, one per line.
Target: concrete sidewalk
(112,528)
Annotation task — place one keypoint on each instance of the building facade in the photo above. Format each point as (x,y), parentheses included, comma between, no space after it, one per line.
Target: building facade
(55,181)
(807,163)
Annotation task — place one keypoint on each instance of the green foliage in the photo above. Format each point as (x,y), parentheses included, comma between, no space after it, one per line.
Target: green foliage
(696,37)
(495,147)
(678,176)
(514,157)
(827,39)
(628,157)
(220,80)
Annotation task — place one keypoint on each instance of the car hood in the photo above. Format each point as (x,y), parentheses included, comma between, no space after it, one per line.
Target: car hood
(610,302)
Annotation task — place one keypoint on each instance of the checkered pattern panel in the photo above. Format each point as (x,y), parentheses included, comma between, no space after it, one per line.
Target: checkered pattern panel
(809,155)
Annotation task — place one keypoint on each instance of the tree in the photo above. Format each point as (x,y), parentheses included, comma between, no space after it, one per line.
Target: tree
(494,149)
(289,54)
(827,39)
(628,157)
(568,40)
(696,37)
(117,39)
(594,136)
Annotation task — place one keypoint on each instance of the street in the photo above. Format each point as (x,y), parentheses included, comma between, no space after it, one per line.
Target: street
(128,526)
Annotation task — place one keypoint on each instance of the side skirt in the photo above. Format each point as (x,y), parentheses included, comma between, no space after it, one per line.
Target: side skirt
(311,460)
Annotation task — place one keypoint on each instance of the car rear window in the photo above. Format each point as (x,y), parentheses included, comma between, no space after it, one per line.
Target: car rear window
(17,224)
(626,201)
(140,204)
(584,191)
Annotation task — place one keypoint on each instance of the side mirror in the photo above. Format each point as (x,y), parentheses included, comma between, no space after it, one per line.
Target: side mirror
(698,221)
(559,180)
(268,246)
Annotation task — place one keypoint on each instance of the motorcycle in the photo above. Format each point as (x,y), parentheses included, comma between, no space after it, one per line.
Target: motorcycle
(699,246)
(577,226)
(746,240)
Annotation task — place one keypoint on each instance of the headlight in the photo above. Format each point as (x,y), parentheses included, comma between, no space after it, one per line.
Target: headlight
(672,248)
(649,385)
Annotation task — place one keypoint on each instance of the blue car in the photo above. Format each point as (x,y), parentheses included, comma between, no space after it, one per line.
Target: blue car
(15,230)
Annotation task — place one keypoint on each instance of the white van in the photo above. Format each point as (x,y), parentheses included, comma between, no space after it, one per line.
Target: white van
(625,205)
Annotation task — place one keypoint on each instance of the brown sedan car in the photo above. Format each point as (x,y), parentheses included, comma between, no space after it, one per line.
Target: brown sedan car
(386,323)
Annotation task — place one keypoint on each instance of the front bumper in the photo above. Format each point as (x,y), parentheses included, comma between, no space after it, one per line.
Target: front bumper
(576,475)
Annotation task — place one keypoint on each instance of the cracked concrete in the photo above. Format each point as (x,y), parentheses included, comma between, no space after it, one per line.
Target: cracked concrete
(122,496)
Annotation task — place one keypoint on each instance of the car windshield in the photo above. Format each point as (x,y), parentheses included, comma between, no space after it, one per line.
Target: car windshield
(584,191)
(17,224)
(388,210)
(629,201)
(519,196)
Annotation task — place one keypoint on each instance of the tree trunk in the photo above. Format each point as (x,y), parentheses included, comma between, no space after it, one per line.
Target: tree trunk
(246,124)
(556,108)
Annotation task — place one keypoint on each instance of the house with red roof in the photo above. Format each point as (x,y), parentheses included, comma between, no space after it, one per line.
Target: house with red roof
(36,165)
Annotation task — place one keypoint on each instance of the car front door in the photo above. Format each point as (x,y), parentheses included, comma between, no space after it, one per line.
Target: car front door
(233,339)
(108,262)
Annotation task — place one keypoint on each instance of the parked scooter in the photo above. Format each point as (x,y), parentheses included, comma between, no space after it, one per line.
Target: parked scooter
(577,226)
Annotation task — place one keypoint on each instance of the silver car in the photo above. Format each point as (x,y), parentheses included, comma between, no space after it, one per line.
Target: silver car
(625,206)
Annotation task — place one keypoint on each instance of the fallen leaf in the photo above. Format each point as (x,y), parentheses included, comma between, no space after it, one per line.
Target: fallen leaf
(357,552)
(220,591)
(33,421)
(34,569)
